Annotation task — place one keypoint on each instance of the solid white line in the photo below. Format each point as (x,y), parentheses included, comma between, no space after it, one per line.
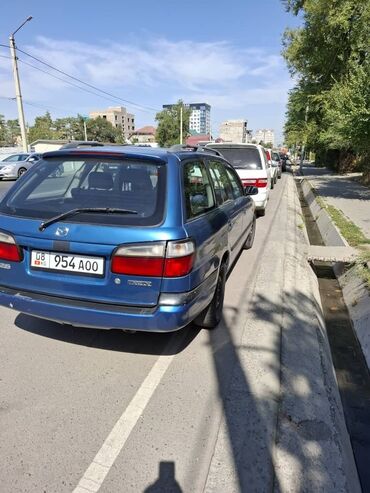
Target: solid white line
(97,471)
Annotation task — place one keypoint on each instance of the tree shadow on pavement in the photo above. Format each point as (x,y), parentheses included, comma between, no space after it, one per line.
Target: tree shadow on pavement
(113,340)
(341,187)
(253,377)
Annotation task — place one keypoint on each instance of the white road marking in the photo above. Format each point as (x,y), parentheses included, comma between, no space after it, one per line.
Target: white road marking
(97,471)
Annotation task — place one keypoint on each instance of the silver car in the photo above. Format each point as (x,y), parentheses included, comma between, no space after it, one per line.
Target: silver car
(12,167)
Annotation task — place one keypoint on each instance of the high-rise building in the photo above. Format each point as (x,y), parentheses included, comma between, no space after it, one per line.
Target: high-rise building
(200,117)
(118,117)
(234,131)
(266,135)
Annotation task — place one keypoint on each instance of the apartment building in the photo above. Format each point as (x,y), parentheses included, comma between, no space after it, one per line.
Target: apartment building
(234,131)
(266,135)
(118,117)
(200,117)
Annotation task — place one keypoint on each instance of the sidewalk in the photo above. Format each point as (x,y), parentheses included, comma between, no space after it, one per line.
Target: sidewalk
(342,192)
(282,404)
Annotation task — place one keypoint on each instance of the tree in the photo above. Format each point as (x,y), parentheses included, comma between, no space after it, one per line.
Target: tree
(13,132)
(329,108)
(3,131)
(43,128)
(168,129)
(102,130)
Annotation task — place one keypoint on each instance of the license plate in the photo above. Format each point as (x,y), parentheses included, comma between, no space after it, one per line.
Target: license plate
(65,262)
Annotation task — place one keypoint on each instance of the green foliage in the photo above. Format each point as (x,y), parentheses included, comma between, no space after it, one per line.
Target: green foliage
(168,130)
(3,131)
(72,128)
(103,131)
(43,128)
(329,108)
(9,132)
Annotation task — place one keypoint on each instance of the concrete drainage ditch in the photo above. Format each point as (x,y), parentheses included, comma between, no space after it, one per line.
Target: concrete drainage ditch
(349,362)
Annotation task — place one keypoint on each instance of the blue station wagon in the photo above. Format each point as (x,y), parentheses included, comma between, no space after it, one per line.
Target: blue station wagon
(123,238)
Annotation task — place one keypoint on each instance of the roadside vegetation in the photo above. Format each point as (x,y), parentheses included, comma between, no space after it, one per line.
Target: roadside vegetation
(329,107)
(349,230)
(168,129)
(69,128)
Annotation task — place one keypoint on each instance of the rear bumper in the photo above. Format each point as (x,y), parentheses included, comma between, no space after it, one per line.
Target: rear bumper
(165,317)
(260,200)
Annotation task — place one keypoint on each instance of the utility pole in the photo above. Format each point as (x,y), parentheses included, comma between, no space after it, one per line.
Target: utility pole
(85,131)
(181,125)
(18,93)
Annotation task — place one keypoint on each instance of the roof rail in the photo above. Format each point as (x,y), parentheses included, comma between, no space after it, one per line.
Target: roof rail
(184,147)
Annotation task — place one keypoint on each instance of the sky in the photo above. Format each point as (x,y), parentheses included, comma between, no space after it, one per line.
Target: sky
(227,54)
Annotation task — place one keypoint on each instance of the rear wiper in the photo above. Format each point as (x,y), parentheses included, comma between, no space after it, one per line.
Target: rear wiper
(84,210)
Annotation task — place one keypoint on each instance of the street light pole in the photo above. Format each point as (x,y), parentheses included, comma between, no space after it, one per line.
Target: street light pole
(18,93)
(181,124)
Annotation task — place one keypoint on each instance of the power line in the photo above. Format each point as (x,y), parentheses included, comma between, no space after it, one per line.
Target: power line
(132,103)
(138,106)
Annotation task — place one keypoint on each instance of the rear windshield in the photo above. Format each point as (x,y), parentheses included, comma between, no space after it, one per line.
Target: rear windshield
(242,157)
(57,185)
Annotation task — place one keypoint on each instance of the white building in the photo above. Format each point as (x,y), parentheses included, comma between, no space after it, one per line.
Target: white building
(234,131)
(118,117)
(266,135)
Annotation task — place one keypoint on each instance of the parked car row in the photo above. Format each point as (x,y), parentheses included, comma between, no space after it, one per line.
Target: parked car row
(128,237)
(256,166)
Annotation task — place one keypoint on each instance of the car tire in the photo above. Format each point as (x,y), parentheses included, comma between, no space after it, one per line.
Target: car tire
(272,184)
(250,238)
(261,212)
(211,316)
(21,171)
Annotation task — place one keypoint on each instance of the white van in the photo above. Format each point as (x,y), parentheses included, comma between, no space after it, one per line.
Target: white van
(251,164)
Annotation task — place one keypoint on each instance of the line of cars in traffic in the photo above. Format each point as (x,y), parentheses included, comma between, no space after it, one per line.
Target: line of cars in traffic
(130,238)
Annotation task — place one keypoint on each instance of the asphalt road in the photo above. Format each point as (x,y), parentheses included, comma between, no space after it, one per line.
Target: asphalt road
(87,410)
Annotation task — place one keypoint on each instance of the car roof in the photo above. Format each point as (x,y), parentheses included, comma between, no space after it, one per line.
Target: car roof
(232,145)
(134,152)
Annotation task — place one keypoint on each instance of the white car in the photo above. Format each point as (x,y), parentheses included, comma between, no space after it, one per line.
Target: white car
(13,166)
(251,164)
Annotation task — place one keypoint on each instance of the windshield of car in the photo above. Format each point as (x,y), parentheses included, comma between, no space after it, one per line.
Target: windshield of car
(57,185)
(242,157)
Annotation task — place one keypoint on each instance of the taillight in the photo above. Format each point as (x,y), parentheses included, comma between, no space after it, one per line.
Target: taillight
(255,182)
(9,249)
(154,259)
(261,182)
(179,258)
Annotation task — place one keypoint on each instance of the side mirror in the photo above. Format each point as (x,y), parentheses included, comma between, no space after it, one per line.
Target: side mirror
(250,190)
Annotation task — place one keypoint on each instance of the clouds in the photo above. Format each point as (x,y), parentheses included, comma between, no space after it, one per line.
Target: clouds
(154,71)
(153,63)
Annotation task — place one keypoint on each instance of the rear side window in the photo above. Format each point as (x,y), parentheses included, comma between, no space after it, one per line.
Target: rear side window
(221,182)
(58,185)
(197,189)
(242,157)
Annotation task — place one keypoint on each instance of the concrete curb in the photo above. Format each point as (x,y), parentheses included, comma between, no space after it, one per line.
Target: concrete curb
(329,232)
(313,450)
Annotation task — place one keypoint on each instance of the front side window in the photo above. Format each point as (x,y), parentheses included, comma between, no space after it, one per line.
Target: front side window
(197,189)
(59,184)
